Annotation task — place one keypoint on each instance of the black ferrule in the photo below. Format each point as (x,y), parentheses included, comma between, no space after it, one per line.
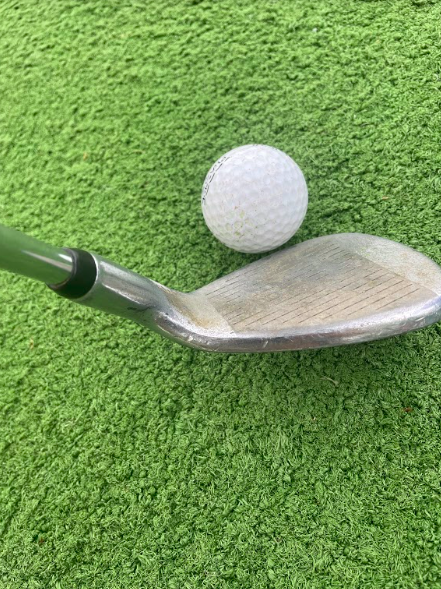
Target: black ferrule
(82,278)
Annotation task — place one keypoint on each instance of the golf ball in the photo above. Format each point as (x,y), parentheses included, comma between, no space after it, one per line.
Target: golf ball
(254,198)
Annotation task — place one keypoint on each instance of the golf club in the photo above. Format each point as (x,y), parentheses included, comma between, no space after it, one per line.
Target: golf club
(328,291)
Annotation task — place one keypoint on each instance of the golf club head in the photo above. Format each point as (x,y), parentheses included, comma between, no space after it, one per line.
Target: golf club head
(329,291)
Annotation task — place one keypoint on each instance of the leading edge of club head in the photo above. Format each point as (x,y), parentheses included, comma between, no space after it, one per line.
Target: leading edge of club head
(333,290)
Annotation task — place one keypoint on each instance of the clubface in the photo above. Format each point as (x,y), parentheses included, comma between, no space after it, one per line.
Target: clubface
(329,291)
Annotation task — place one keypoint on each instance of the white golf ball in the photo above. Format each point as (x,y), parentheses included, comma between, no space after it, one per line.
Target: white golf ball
(254,198)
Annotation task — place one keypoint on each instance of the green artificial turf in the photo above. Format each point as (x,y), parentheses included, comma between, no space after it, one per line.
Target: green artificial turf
(129,462)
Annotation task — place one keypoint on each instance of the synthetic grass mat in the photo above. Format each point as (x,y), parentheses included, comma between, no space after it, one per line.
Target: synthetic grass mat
(128,461)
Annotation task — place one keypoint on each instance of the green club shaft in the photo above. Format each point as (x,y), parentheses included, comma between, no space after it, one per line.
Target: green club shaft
(22,254)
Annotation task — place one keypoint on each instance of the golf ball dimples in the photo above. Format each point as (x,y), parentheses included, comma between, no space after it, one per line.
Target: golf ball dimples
(254,198)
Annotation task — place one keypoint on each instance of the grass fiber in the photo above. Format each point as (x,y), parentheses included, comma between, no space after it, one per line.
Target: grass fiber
(127,461)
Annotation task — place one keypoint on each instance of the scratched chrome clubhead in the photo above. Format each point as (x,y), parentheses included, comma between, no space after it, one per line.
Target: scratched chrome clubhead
(333,290)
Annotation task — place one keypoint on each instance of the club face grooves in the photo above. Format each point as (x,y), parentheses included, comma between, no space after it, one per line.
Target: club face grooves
(329,291)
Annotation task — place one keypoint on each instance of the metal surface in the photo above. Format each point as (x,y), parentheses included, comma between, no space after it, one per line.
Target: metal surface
(329,291)
(333,290)
(26,255)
